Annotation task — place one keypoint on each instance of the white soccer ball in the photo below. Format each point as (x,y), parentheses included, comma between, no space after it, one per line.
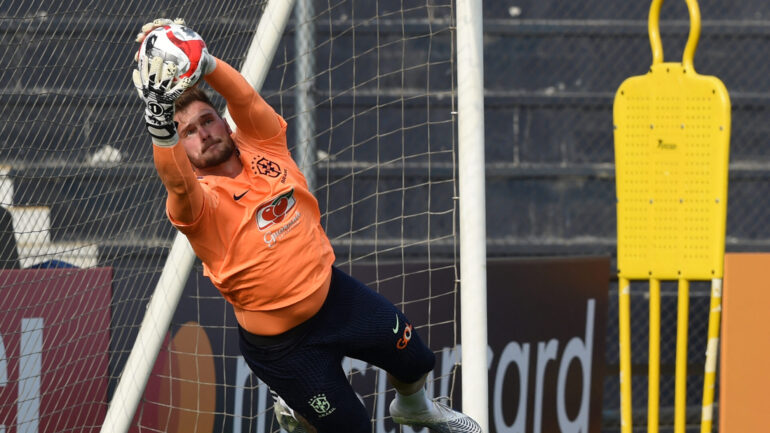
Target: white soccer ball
(178,44)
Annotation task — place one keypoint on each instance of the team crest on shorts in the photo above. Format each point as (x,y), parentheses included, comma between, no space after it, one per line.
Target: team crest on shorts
(321,405)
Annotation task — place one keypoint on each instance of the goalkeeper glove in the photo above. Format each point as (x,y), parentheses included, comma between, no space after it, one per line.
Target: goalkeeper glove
(207,61)
(154,85)
(154,24)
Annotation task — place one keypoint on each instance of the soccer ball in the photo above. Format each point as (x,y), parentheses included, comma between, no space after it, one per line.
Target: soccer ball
(178,44)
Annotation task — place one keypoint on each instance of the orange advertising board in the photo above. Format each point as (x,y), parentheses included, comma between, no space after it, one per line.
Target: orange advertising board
(745,353)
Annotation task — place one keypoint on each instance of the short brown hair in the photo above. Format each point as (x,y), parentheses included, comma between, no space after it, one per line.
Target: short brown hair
(191,95)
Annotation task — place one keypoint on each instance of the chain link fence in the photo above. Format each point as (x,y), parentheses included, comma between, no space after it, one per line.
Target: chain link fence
(552,69)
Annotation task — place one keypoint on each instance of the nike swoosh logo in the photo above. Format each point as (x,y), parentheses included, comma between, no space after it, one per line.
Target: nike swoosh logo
(238,197)
(395,330)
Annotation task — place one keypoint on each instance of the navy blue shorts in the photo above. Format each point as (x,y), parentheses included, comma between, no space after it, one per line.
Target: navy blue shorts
(304,365)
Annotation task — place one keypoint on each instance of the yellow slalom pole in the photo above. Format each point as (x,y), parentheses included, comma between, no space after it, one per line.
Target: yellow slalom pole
(624,332)
(680,387)
(712,351)
(653,383)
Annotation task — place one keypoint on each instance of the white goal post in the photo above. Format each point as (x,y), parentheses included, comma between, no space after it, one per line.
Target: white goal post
(472,185)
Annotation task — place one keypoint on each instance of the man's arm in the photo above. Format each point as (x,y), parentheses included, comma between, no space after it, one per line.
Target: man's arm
(252,115)
(185,195)
(154,83)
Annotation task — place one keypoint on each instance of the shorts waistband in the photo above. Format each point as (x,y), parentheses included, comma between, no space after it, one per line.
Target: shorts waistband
(271,340)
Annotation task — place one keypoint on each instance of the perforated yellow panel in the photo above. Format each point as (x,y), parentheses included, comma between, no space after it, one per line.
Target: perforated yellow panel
(672,135)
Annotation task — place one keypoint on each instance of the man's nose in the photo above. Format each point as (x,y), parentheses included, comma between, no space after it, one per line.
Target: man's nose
(203,132)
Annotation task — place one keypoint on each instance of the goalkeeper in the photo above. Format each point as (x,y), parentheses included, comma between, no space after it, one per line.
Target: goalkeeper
(248,213)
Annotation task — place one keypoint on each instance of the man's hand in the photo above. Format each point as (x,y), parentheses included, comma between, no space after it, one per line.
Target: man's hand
(208,62)
(154,24)
(153,84)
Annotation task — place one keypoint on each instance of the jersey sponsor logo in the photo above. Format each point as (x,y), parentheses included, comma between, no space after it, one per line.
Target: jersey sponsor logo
(265,167)
(321,405)
(405,337)
(272,237)
(240,196)
(275,210)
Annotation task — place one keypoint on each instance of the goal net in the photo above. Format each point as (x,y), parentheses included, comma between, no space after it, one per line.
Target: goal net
(368,91)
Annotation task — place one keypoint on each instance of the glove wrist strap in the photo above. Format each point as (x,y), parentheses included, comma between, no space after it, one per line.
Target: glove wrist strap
(163,136)
(167,142)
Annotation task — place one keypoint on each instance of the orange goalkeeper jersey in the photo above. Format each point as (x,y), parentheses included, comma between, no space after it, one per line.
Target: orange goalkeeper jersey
(259,234)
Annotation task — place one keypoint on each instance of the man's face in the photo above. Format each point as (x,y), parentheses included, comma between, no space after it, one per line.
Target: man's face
(204,135)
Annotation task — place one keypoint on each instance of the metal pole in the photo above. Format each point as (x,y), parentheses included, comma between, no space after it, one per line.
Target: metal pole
(304,44)
(473,250)
(152,332)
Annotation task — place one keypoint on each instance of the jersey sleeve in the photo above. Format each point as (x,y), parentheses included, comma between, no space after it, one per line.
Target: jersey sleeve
(203,231)
(185,194)
(254,118)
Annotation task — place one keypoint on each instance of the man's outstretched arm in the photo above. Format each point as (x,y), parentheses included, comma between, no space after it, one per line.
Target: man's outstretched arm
(185,195)
(252,115)
(154,80)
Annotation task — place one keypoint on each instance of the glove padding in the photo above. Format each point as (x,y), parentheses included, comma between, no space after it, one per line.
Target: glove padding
(208,63)
(154,85)
(154,24)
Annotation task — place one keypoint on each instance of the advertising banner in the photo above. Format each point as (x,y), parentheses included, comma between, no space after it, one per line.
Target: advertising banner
(546,328)
(54,349)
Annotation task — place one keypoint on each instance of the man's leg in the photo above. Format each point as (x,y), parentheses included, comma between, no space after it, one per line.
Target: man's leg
(310,381)
(288,419)
(378,333)
(405,388)
(410,397)
(328,406)
(413,407)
